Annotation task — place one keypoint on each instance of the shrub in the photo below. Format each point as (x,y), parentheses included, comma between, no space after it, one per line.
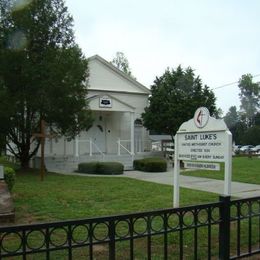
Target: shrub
(151,165)
(110,168)
(9,176)
(89,167)
(106,168)
(139,164)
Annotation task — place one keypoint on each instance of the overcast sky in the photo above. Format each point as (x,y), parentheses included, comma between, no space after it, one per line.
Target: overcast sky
(219,39)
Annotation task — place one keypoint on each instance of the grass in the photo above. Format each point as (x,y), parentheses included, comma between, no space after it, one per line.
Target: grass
(63,197)
(244,169)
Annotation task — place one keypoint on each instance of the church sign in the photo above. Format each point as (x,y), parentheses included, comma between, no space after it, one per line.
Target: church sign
(207,146)
(201,143)
(202,166)
(105,102)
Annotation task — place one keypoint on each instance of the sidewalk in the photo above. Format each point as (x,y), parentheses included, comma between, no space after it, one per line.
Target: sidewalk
(6,204)
(238,189)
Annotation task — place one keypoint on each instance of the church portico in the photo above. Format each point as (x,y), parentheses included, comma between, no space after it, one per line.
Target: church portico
(107,130)
(117,134)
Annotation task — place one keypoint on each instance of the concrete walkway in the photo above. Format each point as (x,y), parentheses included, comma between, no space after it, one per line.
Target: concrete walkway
(6,204)
(239,189)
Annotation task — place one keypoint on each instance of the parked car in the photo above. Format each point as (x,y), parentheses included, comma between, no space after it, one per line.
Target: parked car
(246,148)
(256,149)
(236,148)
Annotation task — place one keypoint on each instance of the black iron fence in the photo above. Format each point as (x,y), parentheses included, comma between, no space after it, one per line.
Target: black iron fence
(223,230)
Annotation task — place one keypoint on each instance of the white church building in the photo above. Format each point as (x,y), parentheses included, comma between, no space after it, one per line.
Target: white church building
(117,102)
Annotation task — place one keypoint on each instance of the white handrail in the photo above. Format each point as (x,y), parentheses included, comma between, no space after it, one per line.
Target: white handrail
(98,148)
(91,143)
(120,145)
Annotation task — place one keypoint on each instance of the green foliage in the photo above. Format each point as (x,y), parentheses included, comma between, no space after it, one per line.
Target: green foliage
(89,167)
(9,176)
(43,74)
(251,136)
(249,97)
(236,126)
(121,62)
(110,168)
(150,165)
(104,168)
(174,98)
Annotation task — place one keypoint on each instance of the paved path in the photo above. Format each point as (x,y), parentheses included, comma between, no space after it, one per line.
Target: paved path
(239,189)
(6,204)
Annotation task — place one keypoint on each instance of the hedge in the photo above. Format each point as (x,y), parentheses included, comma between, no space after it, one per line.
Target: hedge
(90,167)
(151,165)
(9,176)
(106,168)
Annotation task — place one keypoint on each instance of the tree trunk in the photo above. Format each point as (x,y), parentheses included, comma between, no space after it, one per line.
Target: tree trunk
(25,159)
(25,163)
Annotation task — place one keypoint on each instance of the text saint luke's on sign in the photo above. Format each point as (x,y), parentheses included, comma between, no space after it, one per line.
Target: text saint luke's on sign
(202,142)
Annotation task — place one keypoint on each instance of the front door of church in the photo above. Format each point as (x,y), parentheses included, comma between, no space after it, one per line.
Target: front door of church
(98,134)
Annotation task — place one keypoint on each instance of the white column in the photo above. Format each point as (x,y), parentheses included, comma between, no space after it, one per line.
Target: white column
(64,147)
(176,175)
(90,146)
(51,146)
(228,164)
(76,142)
(118,146)
(132,133)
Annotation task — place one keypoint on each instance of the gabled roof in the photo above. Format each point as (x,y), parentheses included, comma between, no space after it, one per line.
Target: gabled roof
(123,105)
(120,73)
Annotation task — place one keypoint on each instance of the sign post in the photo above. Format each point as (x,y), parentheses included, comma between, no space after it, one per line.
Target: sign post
(199,140)
(42,137)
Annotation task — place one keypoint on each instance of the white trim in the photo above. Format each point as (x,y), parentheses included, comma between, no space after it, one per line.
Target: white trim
(132,132)
(119,72)
(129,108)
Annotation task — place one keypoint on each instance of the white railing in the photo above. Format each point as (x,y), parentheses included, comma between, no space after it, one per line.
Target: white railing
(91,145)
(120,145)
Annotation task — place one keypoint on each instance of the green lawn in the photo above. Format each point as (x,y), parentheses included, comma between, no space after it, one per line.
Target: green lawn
(61,197)
(244,169)
(71,197)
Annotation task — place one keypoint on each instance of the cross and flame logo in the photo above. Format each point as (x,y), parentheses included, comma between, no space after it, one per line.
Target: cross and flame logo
(201,117)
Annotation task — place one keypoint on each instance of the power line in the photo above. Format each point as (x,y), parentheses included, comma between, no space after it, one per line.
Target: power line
(233,83)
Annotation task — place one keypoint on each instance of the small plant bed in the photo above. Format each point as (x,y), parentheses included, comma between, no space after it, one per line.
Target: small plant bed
(155,164)
(102,168)
(9,176)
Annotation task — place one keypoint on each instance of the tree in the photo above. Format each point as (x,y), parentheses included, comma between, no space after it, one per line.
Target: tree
(249,97)
(232,117)
(235,124)
(174,98)
(43,74)
(251,136)
(121,62)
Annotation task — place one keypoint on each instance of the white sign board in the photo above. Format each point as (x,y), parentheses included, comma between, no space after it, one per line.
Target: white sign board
(206,146)
(203,139)
(105,102)
(202,166)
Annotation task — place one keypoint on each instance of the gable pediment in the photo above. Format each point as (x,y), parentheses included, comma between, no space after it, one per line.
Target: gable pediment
(108,103)
(106,77)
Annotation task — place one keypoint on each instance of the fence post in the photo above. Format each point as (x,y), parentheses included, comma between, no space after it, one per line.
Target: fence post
(224,228)
(112,244)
